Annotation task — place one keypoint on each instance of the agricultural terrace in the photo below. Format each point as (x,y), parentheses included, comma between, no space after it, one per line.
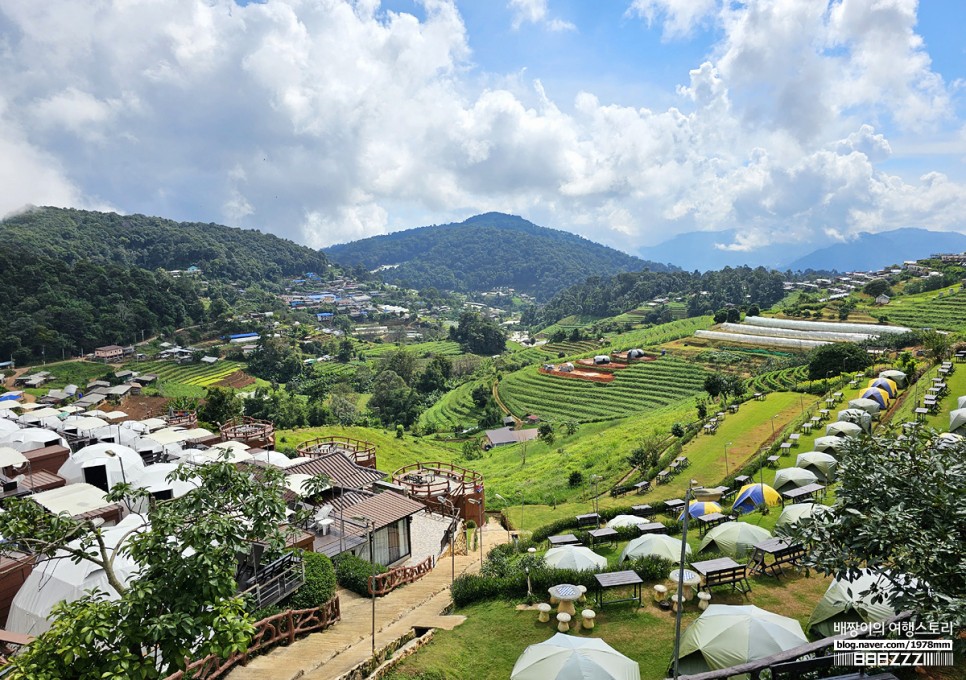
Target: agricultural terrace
(186,380)
(455,409)
(422,350)
(643,386)
(658,335)
(567,349)
(946,313)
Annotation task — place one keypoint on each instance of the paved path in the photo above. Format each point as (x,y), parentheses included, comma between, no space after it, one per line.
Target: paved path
(333,652)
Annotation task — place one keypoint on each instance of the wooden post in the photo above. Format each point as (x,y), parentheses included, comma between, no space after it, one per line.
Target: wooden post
(291,626)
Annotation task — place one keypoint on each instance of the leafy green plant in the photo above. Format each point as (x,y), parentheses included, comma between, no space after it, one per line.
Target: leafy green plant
(352,573)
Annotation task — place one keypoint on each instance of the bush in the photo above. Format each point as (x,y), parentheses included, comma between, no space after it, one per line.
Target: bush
(319,586)
(352,573)
(576,479)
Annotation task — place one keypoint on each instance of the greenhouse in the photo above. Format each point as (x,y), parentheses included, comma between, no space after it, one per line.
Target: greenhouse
(867,328)
(768,341)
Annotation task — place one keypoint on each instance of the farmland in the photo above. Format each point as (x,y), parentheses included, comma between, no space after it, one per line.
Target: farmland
(187,380)
(946,313)
(643,386)
(423,350)
(455,409)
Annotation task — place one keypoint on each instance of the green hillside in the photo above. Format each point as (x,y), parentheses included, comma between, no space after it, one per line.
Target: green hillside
(946,313)
(487,251)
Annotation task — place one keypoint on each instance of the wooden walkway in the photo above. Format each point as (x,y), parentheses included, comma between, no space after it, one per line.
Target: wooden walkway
(336,651)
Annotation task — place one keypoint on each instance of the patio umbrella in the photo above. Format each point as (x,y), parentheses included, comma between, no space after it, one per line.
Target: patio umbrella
(826,444)
(877,394)
(961,402)
(898,377)
(568,657)
(626,521)
(750,496)
(843,429)
(822,464)
(793,478)
(885,384)
(658,545)
(574,557)
(870,406)
(735,539)
(728,635)
(957,420)
(796,511)
(698,508)
(856,415)
(850,600)
(7,426)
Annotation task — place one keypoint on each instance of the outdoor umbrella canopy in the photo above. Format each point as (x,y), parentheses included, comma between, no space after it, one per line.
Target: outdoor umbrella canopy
(957,420)
(850,600)
(750,496)
(735,539)
(898,377)
(843,429)
(826,444)
(578,558)
(856,415)
(626,521)
(885,384)
(698,508)
(793,478)
(568,657)
(878,395)
(870,406)
(822,464)
(961,402)
(728,635)
(796,511)
(659,545)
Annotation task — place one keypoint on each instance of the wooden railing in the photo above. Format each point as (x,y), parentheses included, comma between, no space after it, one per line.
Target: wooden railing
(282,628)
(385,583)
(362,452)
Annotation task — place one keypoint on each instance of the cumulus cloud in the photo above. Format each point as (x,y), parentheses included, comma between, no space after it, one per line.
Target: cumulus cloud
(330,120)
(536,12)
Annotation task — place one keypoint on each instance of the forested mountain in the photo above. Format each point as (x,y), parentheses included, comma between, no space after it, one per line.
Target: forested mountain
(609,296)
(52,307)
(221,252)
(487,251)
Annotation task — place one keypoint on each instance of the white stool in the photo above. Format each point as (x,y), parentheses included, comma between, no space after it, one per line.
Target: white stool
(583,593)
(676,602)
(660,593)
(703,599)
(588,618)
(563,622)
(544,610)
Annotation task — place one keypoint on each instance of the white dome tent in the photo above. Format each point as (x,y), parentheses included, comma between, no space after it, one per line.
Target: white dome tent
(102,465)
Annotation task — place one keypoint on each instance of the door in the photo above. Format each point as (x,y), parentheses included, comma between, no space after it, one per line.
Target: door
(394,552)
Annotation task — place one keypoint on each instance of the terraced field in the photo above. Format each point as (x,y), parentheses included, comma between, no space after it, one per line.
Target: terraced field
(643,386)
(782,380)
(422,349)
(569,348)
(947,313)
(334,368)
(197,375)
(454,409)
(658,335)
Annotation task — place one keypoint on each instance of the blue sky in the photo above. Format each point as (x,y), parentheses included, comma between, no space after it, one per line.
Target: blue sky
(625,121)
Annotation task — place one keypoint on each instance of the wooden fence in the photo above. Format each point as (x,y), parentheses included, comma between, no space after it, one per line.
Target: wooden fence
(385,583)
(282,628)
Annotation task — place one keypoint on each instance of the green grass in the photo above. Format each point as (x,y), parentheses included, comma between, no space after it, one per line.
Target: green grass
(929,310)
(454,409)
(421,349)
(956,383)
(196,375)
(658,335)
(73,373)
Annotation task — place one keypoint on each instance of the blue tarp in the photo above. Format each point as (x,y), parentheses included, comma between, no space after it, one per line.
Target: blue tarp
(236,336)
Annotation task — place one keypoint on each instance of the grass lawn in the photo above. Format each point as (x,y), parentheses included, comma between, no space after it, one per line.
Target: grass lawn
(74,373)
(495,633)
(940,420)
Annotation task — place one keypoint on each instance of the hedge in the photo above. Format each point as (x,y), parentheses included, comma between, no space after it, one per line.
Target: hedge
(319,586)
(352,573)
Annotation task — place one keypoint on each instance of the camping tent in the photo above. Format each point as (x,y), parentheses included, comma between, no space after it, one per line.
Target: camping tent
(60,578)
(856,415)
(851,600)
(735,539)
(154,478)
(750,496)
(33,437)
(843,429)
(822,464)
(826,444)
(635,353)
(898,377)
(796,511)
(568,657)
(877,394)
(793,478)
(957,421)
(885,384)
(728,635)
(870,406)
(578,558)
(659,545)
(626,521)
(698,508)
(602,359)
(961,402)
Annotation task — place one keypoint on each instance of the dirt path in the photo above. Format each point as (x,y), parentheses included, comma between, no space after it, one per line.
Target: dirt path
(499,402)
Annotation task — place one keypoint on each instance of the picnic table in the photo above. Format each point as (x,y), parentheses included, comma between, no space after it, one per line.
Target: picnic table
(604,535)
(759,396)
(590,519)
(618,579)
(663,477)
(830,402)
(794,437)
(562,539)
(807,491)
(853,383)
(642,487)
(733,408)
(816,420)
(837,395)
(781,550)
(710,428)
(674,504)
(772,461)
(713,519)
(785,448)
(921,412)
(682,461)
(720,415)
(723,571)
(823,413)
(652,528)
(642,510)
(741,480)
(806,428)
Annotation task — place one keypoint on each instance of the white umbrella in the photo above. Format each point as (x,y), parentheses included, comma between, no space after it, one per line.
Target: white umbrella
(793,478)
(567,657)
(658,545)
(852,600)
(231,445)
(957,420)
(626,521)
(578,558)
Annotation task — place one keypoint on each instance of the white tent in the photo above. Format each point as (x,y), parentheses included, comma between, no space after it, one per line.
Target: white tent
(626,521)
(568,657)
(957,421)
(272,458)
(81,424)
(60,579)
(961,402)
(796,511)
(826,444)
(870,406)
(31,438)
(898,377)
(124,464)
(843,429)
(578,558)
(154,478)
(7,426)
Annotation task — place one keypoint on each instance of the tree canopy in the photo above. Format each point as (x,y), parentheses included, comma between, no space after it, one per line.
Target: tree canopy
(835,358)
(478,335)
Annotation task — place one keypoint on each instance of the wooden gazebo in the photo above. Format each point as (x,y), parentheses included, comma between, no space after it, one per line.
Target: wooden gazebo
(444,487)
(258,434)
(363,453)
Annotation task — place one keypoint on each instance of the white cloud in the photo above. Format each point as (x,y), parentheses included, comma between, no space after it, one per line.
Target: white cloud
(680,16)
(536,12)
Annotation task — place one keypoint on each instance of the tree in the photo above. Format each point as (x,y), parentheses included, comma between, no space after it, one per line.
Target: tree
(402,362)
(570,427)
(937,344)
(184,599)
(898,510)
(221,405)
(434,376)
(835,358)
(753,310)
(715,384)
(546,433)
(480,395)
(478,334)
(645,455)
(275,360)
(721,316)
(471,450)
(677,430)
(343,409)
(392,400)
(877,287)
(345,352)
(734,315)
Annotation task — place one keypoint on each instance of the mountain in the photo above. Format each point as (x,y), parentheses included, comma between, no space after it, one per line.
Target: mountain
(484,252)
(221,252)
(704,251)
(873,251)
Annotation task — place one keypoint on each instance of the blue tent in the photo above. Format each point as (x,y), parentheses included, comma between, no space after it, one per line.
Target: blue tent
(698,508)
(752,495)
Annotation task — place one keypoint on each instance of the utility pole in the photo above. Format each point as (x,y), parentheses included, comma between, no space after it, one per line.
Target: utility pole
(680,605)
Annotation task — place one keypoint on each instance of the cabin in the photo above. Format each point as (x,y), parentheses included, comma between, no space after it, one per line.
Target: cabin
(109,353)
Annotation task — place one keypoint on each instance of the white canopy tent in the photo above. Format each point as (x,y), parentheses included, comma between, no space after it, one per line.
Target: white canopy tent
(73,499)
(30,438)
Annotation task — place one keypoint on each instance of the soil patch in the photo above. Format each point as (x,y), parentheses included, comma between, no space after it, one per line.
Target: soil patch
(141,407)
(236,380)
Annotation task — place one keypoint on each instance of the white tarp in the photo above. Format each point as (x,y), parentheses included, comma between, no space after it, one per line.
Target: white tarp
(73,499)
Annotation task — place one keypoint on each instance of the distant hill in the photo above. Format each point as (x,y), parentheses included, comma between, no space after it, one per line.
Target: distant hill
(702,250)
(487,251)
(152,242)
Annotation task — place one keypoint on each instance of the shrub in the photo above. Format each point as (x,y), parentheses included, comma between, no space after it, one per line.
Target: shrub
(651,568)
(576,479)
(320,582)
(352,573)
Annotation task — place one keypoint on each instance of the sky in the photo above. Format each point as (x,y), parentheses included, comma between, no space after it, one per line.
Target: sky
(626,121)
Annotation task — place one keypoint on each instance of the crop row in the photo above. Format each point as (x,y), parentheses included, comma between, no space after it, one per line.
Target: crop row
(946,313)
(569,348)
(201,375)
(421,349)
(455,408)
(779,381)
(656,335)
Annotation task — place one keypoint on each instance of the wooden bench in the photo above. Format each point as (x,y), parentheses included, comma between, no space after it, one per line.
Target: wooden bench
(723,571)
(782,553)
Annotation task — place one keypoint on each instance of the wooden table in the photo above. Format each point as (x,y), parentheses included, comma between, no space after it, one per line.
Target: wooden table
(604,535)
(723,571)
(562,539)
(759,396)
(652,528)
(921,412)
(642,487)
(674,504)
(642,510)
(837,395)
(794,437)
(772,461)
(664,476)
(590,519)
(682,461)
(618,579)
(823,413)
(706,522)
(785,448)
(816,420)
(806,428)
(733,408)
(781,550)
(741,480)
(807,491)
